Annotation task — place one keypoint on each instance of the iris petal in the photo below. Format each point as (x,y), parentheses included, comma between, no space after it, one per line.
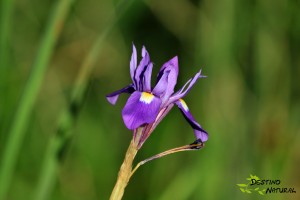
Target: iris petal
(170,67)
(113,97)
(140,71)
(141,108)
(198,131)
(147,78)
(160,87)
(183,91)
(133,63)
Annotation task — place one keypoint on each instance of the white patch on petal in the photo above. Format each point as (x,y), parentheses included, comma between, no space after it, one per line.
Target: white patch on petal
(185,107)
(146,97)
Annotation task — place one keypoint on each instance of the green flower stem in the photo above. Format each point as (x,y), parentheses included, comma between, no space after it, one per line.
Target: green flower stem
(190,147)
(125,172)
(20,122)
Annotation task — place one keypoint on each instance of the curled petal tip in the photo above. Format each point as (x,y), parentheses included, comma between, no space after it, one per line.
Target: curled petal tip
(113,97)
(201,134)
(173,61)
(133,48)
(200,74)
(144,51)
(112,100)
(175,58)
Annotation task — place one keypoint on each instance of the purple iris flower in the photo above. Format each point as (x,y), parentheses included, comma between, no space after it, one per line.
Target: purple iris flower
(147,105)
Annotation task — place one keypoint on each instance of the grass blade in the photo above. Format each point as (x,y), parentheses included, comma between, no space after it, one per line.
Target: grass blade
(59,140)
(20,122)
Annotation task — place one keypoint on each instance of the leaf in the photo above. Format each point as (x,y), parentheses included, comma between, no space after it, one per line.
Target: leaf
(242,189)
(248,191)
(248,179)
(261,193)
(256,189)
(242,185)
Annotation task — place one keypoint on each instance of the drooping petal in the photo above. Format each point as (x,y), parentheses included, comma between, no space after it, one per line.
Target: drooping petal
(183,91)
(133,63)
(113,97)
(141,108)
(198,131)
(141,69)
(170,67)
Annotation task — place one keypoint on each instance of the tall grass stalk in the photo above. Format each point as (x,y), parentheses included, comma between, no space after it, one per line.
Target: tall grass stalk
(21,120)
(58,141)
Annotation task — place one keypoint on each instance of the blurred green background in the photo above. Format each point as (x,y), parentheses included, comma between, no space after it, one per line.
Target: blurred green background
(60,138)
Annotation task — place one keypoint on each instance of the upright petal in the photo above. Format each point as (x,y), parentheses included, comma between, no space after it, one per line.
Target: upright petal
(161,86)
(133,63)
(170,67)
(198,131)
(183,91)
(141,69)
(113,97)
(147,78)
(141,108)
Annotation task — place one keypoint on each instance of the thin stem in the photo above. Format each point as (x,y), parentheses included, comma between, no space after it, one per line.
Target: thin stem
(190,147)
(125,172)
(31,89)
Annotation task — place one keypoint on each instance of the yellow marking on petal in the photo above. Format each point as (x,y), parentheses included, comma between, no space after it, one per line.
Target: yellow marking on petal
(146,97)
(185,107)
